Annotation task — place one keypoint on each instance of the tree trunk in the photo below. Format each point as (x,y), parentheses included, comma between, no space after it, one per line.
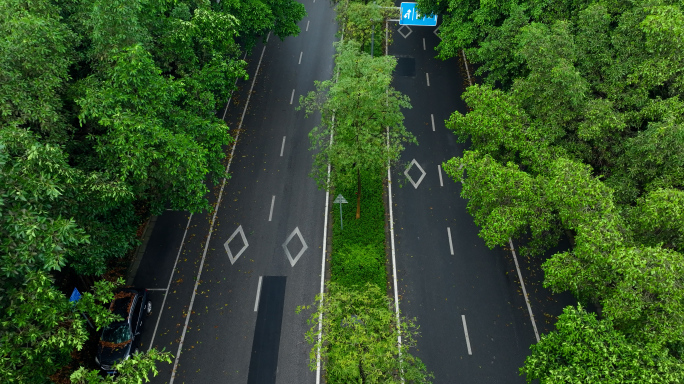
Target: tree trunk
(571,237)
(87,283)
(358,195)
(362,373)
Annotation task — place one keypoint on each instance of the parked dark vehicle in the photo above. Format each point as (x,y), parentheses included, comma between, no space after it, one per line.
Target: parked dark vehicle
(118,339)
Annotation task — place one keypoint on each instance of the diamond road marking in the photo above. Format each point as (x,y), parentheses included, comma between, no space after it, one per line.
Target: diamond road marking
(244,239)
(301,252)
(402,33)
(406,172)
(435,32)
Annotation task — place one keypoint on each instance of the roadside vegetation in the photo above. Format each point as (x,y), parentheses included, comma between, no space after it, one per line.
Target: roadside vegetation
(359,255)
(577,131)
(360,134)
(368,130)
(108,114)
(362,18)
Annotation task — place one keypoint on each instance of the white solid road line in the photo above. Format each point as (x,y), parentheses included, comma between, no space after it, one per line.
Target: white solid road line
(213,221)
(156,289)
(522,284)
(432,118)
(256,303)
(423,43)
(161,308)
(510,242)
(451,245)
(325,238)
(394,258)
(307,25)
(465,330)
(292,97)
(231,92)
(439,172)
(391,222)
(282,147)
(300,57)
(325,235)
(270,215)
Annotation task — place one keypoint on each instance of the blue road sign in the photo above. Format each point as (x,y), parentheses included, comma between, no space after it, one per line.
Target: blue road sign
(409,16)
(75,295)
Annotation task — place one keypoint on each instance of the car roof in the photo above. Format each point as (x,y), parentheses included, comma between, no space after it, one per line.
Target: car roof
(123,301)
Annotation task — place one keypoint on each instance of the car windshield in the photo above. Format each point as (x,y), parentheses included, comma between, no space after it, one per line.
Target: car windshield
(117,333)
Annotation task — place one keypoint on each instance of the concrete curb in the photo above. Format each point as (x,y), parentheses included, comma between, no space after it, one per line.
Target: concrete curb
(147,233)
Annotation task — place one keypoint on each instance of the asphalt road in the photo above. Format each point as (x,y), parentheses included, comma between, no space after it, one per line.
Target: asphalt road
(230,338)
(448,279)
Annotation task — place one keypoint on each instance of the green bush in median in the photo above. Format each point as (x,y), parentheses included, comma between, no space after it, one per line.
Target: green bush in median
(357,265)
(358,249)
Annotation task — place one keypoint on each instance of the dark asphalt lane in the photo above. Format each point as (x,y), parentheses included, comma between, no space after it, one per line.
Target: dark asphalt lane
(436,287)
(218,343)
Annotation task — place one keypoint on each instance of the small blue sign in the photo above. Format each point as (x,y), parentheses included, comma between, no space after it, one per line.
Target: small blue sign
(409,16)
(75,296)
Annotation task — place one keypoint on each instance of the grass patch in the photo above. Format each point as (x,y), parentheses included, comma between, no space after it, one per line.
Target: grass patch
(358,250)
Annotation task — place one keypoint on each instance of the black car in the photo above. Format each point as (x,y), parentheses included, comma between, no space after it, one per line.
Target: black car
(118,339)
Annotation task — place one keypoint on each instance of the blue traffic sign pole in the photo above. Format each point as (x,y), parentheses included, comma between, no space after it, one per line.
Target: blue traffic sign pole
(410,16)
(76,296)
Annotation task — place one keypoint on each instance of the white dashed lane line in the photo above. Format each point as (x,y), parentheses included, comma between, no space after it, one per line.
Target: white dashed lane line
(451,245)
(270,215)
(439,172)
(256,303)
(465,330)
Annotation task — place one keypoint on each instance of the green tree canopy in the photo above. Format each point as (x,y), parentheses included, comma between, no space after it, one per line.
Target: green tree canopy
(368,127)
(359,338)
(134,370)
(257,17)
(578,132)
(107,114)
(360,19)
(597,354)
(39,327)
